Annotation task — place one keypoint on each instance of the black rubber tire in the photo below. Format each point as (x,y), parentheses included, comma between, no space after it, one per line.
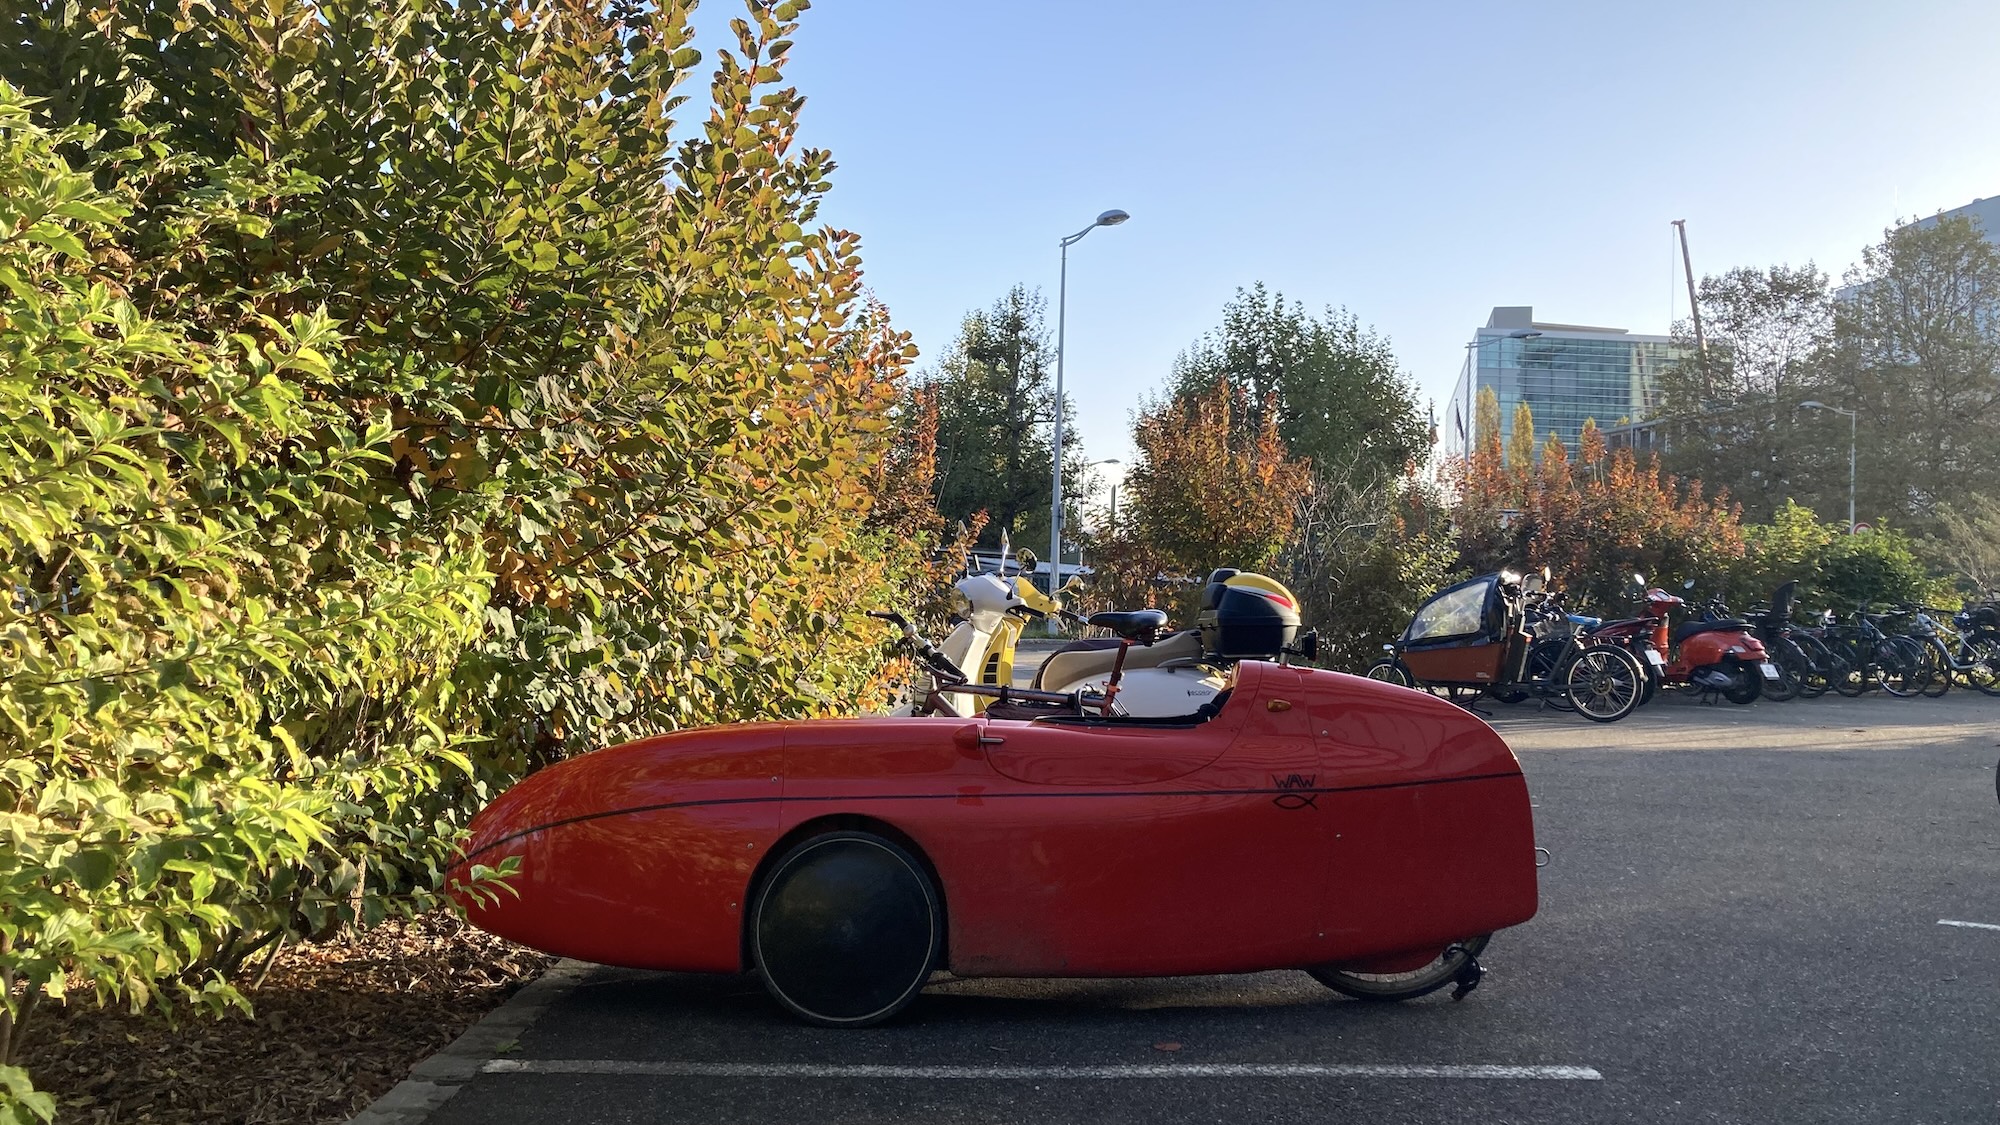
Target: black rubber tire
(1655,680)
(1987,677)
(1937,662)
(1897,671)
(1790,663)
(1391,671)
(1816,676)
(1746,683)
(845,928)
(1388,987)
(1604,684)
(1848,680)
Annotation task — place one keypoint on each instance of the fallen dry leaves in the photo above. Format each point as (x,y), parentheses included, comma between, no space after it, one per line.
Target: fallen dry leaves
(337,1025)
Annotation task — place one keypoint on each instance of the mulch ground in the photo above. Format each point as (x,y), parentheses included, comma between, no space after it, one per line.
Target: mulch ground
(337,1025)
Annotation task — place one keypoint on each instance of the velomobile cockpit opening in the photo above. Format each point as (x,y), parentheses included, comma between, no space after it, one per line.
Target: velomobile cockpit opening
(1091,717)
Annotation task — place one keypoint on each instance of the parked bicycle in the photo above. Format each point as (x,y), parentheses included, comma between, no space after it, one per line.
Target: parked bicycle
(1956,651)
(1874,658)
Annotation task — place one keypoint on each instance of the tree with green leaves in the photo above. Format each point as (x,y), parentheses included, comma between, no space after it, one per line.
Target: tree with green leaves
(1917,352)
(1968,543)
(1732,417)
(1912,344)
(1333,385)
(995,396)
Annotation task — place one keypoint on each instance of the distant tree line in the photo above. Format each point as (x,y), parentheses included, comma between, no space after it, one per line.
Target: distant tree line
(1910,342)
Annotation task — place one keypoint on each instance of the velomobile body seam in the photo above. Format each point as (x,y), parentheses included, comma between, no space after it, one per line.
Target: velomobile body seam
(668,806)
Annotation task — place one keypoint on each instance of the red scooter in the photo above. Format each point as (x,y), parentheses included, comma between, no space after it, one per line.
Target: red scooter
(1716,653)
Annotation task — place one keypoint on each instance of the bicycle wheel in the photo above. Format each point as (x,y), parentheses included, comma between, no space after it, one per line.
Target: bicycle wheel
(1900,674)
(1390,671)
(1984,655)
(1604,684)
(1849,673)
(1790,662)
(1937,667)
(1815,678)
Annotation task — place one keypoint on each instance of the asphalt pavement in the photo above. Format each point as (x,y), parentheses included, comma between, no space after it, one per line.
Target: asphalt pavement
(1740,922)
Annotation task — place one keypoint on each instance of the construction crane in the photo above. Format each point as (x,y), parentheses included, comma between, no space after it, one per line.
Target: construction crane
(1694,308)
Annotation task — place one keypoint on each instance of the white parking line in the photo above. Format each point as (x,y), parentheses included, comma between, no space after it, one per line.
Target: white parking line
(1968,925)
(1155,1070)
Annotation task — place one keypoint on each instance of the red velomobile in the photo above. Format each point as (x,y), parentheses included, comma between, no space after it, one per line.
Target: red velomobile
(1371,835)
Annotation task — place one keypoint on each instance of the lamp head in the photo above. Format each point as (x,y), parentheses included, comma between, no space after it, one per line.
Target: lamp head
(1812,404)
(1112,218)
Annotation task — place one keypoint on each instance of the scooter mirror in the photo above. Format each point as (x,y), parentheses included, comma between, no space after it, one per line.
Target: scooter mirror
(1027,559)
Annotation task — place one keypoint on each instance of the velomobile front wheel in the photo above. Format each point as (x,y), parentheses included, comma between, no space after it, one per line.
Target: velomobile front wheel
(846,929)
(1420,981)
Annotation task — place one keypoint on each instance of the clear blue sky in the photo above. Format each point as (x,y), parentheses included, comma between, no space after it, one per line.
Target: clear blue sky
(1416,162)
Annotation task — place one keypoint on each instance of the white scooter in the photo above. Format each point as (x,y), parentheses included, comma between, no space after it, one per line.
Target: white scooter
(1243,617)
(997,607)
(994,608)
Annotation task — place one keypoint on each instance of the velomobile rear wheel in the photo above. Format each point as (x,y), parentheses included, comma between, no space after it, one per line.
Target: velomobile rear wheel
(1422,981)
(846,929)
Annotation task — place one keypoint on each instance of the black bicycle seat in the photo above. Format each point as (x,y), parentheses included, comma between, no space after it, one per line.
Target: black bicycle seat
(1136,625)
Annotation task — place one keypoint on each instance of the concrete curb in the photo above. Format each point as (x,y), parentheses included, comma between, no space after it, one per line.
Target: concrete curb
(433,1081)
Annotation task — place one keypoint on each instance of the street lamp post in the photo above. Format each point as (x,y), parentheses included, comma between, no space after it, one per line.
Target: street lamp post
(1853,429)
(1109,218)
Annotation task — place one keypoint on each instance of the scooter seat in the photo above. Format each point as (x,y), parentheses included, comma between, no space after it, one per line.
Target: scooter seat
(1693,628)
(1137,625)
(1088,659)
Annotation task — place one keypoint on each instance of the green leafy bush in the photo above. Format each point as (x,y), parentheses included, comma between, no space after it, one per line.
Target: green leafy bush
(1833,569)
(393,407)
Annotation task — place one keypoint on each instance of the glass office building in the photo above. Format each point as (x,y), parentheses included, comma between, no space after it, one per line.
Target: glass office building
(1564,372)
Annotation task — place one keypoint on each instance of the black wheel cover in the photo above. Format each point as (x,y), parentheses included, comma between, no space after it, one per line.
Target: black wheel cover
(846,929)
(1746,683)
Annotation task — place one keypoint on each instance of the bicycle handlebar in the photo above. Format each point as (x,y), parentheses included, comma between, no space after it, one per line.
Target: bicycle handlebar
(932,656)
